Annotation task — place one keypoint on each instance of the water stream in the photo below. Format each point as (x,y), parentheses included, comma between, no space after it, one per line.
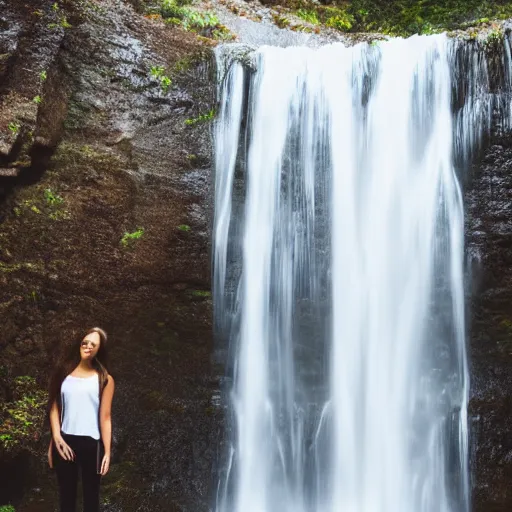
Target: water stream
(339,280)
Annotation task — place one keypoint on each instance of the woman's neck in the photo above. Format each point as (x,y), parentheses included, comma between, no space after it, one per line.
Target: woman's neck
(85,366)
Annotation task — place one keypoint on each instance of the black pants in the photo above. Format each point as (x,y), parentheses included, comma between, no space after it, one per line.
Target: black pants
(88,455)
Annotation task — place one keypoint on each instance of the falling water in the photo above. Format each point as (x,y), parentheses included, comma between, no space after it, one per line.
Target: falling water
(339,278)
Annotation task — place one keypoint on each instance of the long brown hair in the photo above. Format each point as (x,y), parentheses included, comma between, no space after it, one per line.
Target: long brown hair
(71,359)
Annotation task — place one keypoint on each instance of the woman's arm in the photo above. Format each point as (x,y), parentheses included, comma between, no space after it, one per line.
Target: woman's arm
(106,423)
(62,447)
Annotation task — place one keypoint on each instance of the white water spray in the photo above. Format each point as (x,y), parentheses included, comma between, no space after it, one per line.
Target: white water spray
(339,280)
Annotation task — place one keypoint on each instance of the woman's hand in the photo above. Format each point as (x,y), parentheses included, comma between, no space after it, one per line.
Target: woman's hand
(50,455)
(63,448)
(105,465)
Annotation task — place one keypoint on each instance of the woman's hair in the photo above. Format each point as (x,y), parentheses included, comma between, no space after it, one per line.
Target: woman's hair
(69,361)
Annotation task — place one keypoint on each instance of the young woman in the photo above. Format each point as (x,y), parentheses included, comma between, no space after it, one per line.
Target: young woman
(80,400)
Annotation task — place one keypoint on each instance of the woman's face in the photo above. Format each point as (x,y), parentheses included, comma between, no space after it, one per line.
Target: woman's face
(90,346)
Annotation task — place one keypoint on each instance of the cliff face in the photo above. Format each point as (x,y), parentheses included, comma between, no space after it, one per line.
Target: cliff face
(488,233)
(105,218)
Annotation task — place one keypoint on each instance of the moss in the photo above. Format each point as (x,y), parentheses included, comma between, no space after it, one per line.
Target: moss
(128,238)
(7,268)
(308,15)
(201,293)
(201,118)
(84,156)
(403,17)
(21,419)
(175,12)
(186,63)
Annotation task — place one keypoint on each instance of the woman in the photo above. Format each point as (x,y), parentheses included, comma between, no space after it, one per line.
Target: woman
(80,401)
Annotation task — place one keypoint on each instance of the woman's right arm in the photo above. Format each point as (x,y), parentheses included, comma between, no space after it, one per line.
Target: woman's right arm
(62,447)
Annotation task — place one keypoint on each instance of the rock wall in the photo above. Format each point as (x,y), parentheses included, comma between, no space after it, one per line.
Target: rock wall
(105,214)
(489,237)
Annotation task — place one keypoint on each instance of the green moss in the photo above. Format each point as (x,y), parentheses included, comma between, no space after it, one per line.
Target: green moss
(403,17)
(60,215)
(51,198)
(222,33)
(281,21)
(128,238)
(158,72)
(494,38)
(201,293)
(175,12)
(308,15)
(184,64)
(342,22)
(201,118)
(14,127)
(14,267)
(85,156)
(22,418)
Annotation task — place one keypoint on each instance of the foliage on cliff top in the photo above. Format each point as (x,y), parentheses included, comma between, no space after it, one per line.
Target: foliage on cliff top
(405,17)
(203,22)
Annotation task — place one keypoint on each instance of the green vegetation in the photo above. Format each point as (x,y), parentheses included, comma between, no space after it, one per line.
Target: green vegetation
(202,118)
(37,99)
(308,15)
(401,17)
(52,206)
(281,21)
(43,76)
(184,64)
(222,33)
(51,198)
(60,215)
(128,238)
(7,508)
(158,72)
(14,127)
(178,12)
(63,23)
(54,202)
(184,227)
(13,267)
(495,37)
(199,20)
(201,293)
(22,418)
(338,19)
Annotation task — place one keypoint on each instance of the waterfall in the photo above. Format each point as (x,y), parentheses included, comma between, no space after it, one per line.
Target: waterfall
(338,286)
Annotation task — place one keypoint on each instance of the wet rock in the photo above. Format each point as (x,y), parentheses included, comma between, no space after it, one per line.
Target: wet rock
(104,154)
(489,237)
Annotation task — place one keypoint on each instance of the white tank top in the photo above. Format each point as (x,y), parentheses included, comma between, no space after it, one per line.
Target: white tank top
(80,406)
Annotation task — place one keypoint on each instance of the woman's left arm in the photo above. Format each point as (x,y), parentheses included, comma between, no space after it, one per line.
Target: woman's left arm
(106,423)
